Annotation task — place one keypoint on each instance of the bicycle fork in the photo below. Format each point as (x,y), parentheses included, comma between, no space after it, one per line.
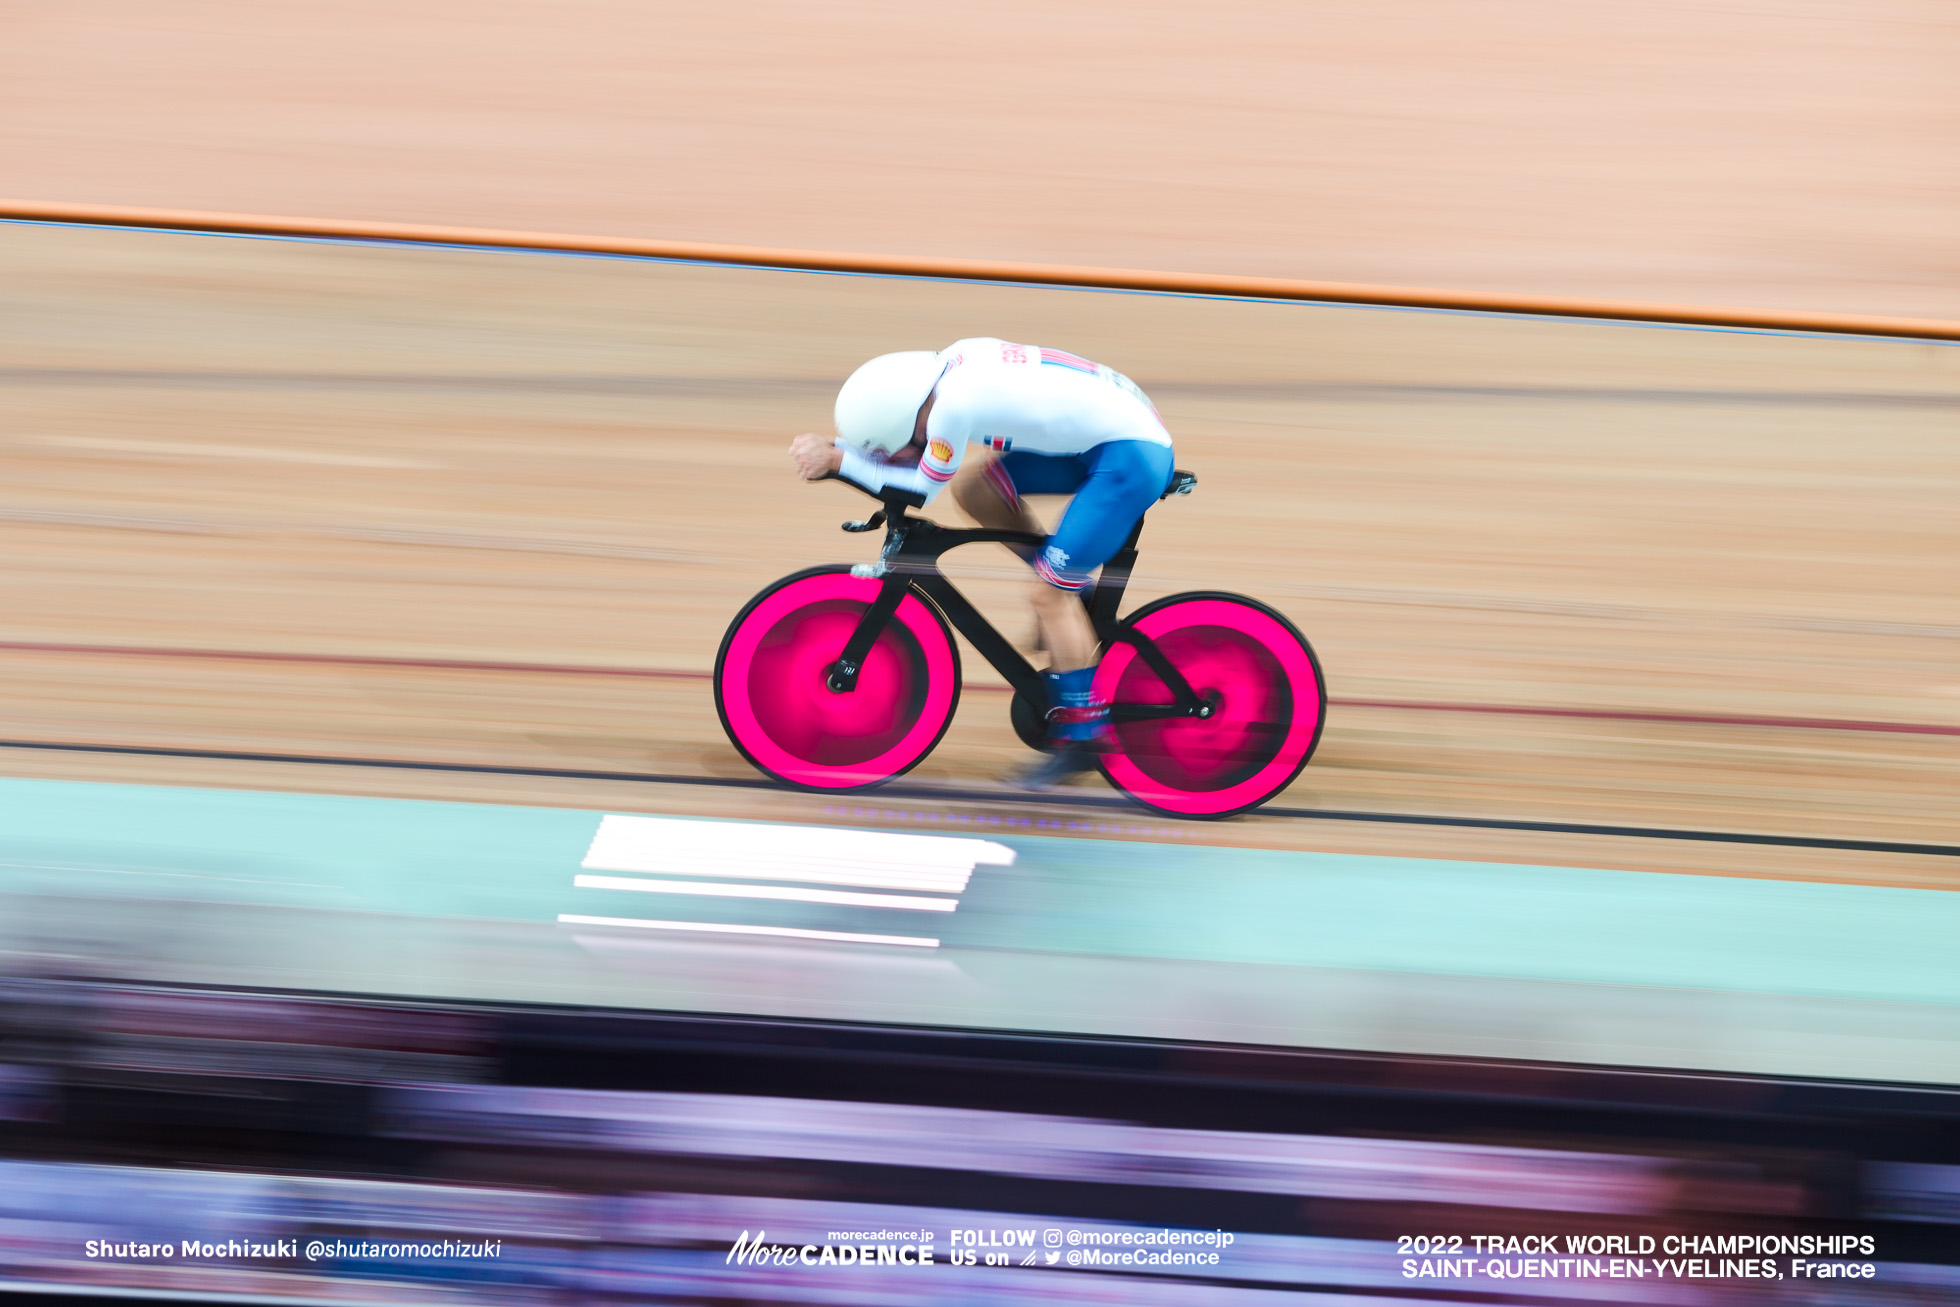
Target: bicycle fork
(842,675)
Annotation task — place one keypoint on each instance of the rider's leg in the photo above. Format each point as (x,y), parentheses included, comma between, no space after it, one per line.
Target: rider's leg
(1066,632)
(983,488)
(1124,479)
(986,490)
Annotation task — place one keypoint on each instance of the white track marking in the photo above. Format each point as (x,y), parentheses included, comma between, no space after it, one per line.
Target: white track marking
(788,932)
(820,854)
(915,902)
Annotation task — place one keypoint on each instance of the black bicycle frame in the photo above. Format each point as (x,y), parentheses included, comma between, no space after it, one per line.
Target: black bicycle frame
(910,561)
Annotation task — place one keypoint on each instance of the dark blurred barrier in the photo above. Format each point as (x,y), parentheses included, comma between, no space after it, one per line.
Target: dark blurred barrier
(539,1155)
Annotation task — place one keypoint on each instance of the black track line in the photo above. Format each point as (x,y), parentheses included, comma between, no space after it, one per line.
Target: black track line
(903,791)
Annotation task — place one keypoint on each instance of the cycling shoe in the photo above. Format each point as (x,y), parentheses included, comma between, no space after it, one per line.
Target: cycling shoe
(1057,765)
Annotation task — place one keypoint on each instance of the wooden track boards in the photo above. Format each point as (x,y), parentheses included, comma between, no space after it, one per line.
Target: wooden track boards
(435,455)
(1780,154)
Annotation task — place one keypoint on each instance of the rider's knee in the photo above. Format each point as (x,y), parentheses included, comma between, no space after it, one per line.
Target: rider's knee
(986,493)
(1050,598)
(973,495)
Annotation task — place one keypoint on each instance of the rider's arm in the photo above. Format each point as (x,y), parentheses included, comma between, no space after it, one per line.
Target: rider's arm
(927,477)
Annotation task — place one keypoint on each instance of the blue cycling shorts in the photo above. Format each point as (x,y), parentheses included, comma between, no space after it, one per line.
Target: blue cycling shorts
(1113,485)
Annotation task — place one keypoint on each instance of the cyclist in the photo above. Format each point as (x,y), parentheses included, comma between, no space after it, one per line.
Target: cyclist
(1048,423)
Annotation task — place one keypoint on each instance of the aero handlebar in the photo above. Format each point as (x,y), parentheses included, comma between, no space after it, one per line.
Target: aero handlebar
(891,496)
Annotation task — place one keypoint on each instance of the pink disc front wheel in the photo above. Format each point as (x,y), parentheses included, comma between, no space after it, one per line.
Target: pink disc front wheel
(771,683)
(1263,685)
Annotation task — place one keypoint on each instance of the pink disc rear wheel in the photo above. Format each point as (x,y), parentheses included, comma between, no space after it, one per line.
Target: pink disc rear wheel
(778,709)
(1268,704)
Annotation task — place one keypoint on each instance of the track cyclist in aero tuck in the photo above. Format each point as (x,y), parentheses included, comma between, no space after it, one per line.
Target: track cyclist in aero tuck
(1049,423)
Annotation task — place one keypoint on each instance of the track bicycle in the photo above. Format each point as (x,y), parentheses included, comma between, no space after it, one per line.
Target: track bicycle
(843,677)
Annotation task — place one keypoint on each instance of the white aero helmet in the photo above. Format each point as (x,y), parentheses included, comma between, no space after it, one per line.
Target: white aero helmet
(879,404)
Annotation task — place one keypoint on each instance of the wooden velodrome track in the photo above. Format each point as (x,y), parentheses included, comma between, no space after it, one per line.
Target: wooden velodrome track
(495,510)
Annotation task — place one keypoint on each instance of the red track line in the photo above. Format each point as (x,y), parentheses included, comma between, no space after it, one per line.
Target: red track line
(663,674)
(1700,719)
(354,660)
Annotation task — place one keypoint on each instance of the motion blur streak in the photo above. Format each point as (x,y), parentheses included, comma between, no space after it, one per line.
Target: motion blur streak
(313,1131)
(1051,1148)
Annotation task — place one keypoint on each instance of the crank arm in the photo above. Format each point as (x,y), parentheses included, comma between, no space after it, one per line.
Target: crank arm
(1148,712)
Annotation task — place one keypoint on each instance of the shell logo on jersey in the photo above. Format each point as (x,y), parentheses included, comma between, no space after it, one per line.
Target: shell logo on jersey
(940,450)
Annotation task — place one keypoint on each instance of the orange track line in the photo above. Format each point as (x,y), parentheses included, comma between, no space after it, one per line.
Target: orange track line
(1188,283)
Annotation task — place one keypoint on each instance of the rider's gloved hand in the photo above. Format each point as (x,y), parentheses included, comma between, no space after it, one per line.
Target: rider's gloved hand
(815,456)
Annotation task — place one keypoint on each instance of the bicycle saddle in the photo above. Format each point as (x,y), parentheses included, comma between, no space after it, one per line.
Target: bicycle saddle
(1181,483)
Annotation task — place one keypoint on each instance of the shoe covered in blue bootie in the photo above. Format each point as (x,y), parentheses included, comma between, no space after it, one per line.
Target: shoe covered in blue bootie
(1078,729)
